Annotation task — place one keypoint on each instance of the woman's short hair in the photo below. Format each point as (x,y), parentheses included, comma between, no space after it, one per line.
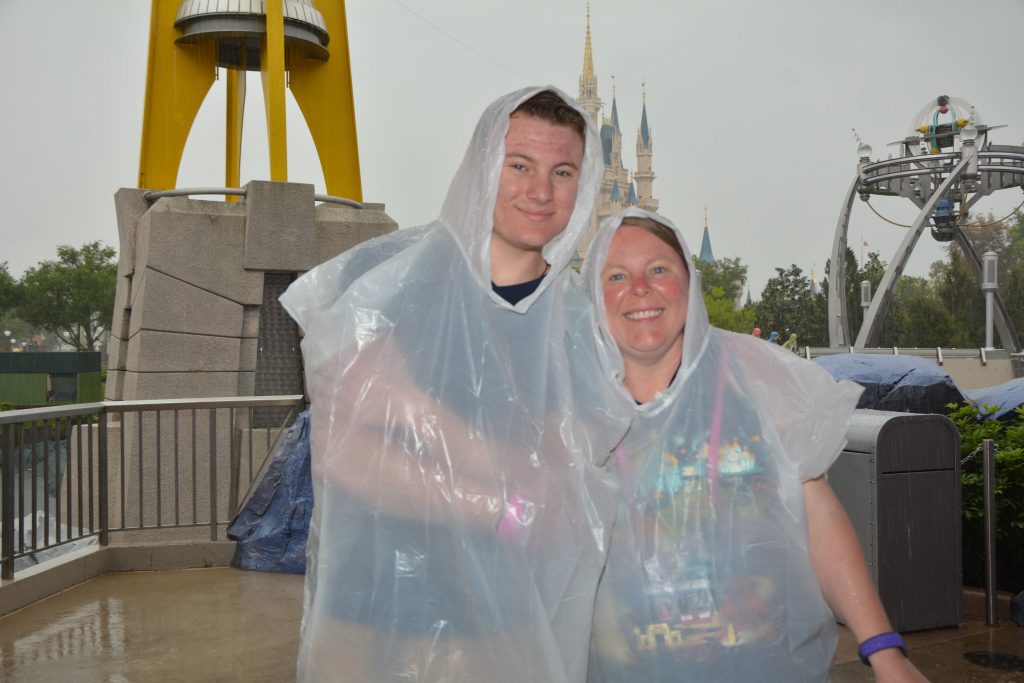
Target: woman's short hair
(659,230)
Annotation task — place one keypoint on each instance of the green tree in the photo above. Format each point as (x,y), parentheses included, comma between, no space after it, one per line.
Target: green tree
(8,290)
(788,305)
(722,312)
(72,297)
(956,288)
(1011,272)
(917,317)
(727,274)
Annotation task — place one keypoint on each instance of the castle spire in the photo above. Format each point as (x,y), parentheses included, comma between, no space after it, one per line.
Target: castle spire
(588,55)
(588,98)
(645,131)
(706,254)
(615,109)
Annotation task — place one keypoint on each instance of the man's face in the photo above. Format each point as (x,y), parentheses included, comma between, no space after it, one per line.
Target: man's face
(537,190)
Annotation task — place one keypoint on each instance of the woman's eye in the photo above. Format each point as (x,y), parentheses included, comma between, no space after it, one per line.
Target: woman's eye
(616,277)
(659,270)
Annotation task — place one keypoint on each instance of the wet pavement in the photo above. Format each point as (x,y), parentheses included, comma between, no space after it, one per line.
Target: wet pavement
(224,624)
(197,625)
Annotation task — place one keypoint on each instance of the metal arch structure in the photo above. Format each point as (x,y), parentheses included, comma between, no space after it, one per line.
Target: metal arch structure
(972,170)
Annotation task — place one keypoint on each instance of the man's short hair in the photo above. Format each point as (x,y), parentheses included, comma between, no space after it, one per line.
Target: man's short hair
(549,106)
(659,230)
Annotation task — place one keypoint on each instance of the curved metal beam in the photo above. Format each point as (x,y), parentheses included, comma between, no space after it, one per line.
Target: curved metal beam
(870,328)
(838,324)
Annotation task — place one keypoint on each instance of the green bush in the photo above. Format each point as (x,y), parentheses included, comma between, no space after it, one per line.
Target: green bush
(1009,493)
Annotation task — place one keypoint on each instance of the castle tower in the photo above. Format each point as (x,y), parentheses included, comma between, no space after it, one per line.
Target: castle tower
(619,186)
(644,175)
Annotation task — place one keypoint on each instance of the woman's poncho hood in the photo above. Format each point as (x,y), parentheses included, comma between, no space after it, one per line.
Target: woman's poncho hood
(696,330)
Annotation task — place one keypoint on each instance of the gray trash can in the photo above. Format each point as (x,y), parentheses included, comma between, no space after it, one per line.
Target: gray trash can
(899,480)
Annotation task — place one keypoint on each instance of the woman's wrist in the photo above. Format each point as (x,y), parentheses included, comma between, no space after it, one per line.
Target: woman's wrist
(890,642)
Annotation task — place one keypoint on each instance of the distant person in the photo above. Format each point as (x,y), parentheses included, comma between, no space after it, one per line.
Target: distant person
(730,546)
(756,332)
(773,337)
(790,343)
(459,526)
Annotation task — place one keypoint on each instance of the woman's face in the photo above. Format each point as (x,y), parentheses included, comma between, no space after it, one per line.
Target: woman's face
(646,289)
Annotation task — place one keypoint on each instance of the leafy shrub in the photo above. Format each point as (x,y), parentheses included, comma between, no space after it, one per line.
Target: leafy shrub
(1009,494)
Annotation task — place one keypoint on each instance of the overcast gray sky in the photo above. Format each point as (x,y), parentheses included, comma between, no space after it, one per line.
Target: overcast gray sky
(751,106)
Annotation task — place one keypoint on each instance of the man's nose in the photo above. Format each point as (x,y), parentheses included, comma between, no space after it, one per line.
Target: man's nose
(541,188)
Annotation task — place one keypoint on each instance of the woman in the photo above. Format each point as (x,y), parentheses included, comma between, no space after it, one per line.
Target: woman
(715,573)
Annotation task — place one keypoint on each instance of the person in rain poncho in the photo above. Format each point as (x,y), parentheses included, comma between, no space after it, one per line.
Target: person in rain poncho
(715,573)
(790,344)
(459,524)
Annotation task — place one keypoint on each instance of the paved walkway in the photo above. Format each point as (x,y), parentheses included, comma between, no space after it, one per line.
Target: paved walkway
(228,625)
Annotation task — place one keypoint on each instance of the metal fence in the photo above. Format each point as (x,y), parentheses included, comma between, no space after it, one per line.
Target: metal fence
(166,469)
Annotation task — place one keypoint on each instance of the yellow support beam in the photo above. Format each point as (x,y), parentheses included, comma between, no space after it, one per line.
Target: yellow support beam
(272,72)
(177,80)
(323,91)
(233,126)
(180,75)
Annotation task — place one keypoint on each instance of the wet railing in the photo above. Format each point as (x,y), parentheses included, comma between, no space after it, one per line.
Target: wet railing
(159,470)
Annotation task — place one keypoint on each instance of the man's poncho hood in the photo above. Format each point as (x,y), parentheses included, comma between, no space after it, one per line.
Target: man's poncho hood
(468,209)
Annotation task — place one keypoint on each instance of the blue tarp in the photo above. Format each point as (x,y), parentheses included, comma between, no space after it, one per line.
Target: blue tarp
(905,384)
(272,528)
(1005,397)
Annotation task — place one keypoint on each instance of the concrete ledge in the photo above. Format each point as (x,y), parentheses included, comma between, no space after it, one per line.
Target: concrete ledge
(59,574)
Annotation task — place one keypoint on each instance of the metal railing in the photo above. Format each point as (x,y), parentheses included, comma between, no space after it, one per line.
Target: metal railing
(83,473)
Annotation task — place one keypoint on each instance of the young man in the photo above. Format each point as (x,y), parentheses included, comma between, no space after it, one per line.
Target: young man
(459,526)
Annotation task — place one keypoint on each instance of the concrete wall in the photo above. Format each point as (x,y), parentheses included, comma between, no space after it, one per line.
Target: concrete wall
(190,282)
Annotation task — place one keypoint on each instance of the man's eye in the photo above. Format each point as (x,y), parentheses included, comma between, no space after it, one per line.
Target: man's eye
(564,173)
(517,167)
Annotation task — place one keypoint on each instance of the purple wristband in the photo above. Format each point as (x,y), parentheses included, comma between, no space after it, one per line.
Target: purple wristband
(882,641)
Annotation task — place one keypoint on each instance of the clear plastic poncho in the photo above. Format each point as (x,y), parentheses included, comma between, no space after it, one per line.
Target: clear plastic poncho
(708,575)
(460,521)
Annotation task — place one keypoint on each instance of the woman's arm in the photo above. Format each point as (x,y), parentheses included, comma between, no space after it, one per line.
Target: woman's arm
(845,581)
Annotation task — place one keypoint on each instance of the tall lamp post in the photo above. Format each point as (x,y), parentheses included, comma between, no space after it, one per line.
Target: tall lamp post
(865,298)
(989,285)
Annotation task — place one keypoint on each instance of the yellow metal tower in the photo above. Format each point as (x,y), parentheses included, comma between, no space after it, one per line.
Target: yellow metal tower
(188,40)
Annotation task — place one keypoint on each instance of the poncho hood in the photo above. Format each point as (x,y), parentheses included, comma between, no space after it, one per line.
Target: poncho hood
(468,209)
(696,331)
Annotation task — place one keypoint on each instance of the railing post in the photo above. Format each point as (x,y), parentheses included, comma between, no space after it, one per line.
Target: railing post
(104,484)
(213,474)
(7,533)
(989,477)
